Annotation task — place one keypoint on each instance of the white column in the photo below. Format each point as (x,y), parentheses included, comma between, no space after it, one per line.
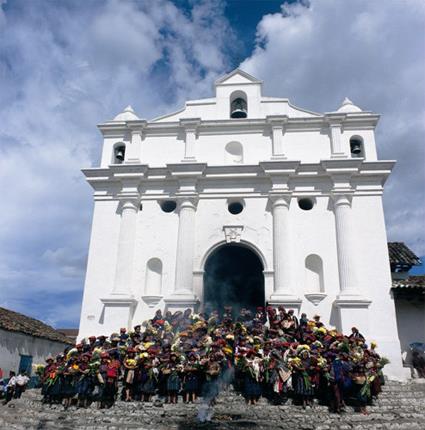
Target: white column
(345,240)
(124,266)
(281,245)
(185,247)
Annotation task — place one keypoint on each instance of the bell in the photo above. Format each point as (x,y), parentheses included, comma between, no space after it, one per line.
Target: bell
(356,148)
(119,154)
(238,108)
(238,113)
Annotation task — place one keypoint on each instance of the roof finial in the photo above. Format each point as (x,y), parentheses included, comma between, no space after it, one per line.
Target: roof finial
(348,106)
(127,114)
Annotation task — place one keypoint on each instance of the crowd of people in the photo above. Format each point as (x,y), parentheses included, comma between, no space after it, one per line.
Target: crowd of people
(268,353)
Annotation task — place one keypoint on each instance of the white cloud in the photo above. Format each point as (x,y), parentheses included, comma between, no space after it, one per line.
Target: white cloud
(372,52)
(63,69)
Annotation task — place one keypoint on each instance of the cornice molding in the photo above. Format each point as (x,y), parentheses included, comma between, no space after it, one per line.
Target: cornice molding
(361,120)
(341,175)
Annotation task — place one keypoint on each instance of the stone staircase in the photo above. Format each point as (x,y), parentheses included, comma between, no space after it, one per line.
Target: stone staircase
(399,407)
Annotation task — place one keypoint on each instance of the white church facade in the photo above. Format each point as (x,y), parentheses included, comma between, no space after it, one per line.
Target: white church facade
(301,192)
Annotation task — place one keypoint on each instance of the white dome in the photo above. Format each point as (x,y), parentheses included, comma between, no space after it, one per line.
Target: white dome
(348,106)
(127,114)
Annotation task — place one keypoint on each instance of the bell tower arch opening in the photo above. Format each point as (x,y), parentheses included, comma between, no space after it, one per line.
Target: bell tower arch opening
(233,276)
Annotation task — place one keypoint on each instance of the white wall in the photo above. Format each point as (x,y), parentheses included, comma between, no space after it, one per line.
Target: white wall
(410,324)
(12,344)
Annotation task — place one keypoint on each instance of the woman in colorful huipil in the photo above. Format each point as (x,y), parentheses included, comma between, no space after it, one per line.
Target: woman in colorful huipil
(47,379)
(302,384)
(251,369)
(130,366)
(191,378)
(69,382)
(173,369)
(84,383)
(149,376)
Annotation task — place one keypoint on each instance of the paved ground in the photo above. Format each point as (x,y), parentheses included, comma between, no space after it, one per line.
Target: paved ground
(400,407)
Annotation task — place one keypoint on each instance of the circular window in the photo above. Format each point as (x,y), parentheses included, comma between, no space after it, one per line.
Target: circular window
(305,204)
(235,208)
(168,206)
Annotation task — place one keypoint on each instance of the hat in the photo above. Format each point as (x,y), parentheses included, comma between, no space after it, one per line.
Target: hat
(115,337)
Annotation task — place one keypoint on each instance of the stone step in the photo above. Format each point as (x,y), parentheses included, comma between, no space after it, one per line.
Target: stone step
(398,407)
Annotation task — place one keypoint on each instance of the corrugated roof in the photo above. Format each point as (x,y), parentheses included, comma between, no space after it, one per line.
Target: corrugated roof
(14,321)
(400,254)
(411,282)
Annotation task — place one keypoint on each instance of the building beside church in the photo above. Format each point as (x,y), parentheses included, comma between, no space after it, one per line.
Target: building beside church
(186,203)
(25,341)
(408,292)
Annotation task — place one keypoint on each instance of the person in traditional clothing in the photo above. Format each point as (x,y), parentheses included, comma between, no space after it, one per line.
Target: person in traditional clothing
(84,384)
(361,388)
(69,379)
(46,379)
(149,377)
(251,369)
(173,369)
(130,365)
(356,335)
(339,381)
(212,370)
(108,378)
(191,379)
(302,383)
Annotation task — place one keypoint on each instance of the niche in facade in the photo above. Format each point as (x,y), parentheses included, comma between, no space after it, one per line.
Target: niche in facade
(313,279)
(153,282)
(233,153)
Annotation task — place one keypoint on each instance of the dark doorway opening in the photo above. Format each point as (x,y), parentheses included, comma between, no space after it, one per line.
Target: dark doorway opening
(233,277)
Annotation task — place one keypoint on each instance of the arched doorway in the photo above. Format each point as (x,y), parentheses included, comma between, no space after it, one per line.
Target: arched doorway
(233,276)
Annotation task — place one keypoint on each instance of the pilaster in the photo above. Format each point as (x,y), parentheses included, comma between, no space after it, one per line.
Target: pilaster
(277,127)
(335,123)
(133,152)
(190,127)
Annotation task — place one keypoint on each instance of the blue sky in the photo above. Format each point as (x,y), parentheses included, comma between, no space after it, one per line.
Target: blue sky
(66,66)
